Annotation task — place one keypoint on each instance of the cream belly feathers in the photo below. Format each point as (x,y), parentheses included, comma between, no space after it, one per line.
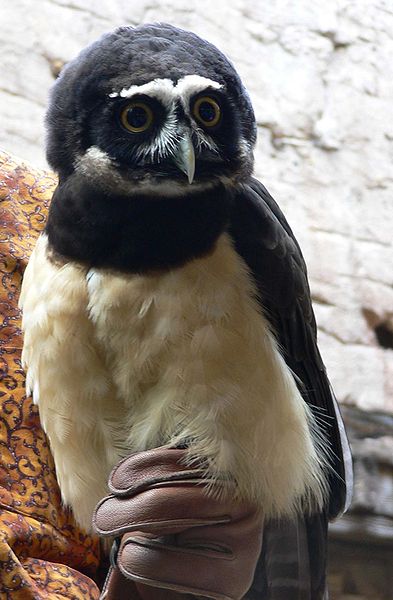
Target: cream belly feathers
(120,363)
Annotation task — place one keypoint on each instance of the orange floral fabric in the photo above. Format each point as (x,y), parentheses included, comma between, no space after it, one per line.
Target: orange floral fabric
(43,554)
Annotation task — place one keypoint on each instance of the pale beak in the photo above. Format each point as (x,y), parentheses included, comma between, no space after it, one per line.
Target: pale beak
(185,157)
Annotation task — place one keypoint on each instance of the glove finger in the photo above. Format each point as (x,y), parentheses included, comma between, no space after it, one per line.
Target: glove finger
(119,587)
(146,469)
(241,536)
(166,509)
(208,573)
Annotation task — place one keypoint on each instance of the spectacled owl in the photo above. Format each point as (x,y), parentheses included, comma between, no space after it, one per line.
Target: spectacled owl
(167,302)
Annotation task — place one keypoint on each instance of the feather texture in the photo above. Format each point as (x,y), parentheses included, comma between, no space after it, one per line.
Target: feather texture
(267,244)
(130,362)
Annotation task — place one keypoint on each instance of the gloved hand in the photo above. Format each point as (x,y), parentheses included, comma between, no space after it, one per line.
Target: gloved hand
(174,538)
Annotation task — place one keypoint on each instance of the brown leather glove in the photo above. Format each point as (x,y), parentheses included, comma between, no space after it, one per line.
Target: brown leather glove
(174,538)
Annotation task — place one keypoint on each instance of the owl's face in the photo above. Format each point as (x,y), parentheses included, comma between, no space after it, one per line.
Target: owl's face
(166,130)
(151,107)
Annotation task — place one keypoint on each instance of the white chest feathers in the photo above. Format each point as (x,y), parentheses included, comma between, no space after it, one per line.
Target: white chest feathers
(130,362)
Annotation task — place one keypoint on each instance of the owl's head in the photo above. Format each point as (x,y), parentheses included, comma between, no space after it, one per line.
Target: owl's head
(151,106)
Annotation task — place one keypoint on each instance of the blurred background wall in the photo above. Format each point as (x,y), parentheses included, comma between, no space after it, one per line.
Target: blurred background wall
(320,74)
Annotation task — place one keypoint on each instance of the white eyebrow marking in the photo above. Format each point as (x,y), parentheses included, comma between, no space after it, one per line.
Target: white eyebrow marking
(193,84)
(165,90)
(162,89)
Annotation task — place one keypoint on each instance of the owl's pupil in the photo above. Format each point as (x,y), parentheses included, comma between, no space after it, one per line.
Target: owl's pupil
(207,112)
(137,117)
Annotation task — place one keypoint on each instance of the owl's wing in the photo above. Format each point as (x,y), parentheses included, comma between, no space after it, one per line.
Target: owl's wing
(265,241)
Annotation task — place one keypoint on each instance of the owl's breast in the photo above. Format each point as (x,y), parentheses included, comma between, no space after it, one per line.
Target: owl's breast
(172,340)
(130,362)
(193,360)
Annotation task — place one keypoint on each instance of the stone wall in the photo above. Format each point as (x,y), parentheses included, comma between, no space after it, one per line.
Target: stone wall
(320,75)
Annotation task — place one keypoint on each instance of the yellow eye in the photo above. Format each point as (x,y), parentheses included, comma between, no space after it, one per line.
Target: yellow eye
(207,111)
(136,117)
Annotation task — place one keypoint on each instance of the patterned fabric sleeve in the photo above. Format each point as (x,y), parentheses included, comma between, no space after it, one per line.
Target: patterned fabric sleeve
(43,554)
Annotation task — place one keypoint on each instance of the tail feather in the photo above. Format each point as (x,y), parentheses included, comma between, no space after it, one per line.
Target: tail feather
(292,564)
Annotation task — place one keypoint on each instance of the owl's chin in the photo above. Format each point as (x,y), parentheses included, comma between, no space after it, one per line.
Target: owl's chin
(134,233)
(163,179)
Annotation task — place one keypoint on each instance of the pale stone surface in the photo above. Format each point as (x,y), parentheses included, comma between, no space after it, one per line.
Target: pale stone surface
(320,75)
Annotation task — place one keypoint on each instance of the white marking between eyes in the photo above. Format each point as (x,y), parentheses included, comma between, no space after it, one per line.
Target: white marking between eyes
(167,92)
(165,143)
